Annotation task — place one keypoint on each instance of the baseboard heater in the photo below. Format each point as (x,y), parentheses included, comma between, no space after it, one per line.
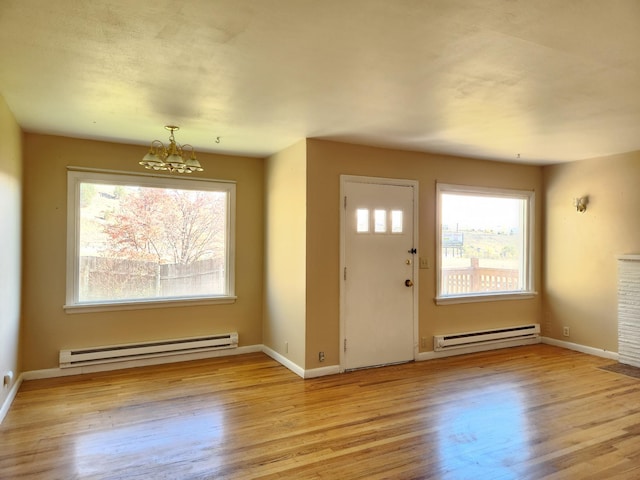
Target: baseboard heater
(135,351)
(485,337)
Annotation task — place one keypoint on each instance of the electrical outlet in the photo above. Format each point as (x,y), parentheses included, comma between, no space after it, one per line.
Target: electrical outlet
(321,356)
(565,331)
(286,347)
(423,342)
(6,380)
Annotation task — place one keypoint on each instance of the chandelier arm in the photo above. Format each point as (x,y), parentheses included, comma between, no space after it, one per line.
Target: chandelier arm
(190,147)
(157,146)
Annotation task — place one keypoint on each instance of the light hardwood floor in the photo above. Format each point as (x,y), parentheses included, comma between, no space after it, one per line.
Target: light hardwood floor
(521,413)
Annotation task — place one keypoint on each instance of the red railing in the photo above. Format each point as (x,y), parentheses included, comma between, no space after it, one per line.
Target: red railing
(476,279)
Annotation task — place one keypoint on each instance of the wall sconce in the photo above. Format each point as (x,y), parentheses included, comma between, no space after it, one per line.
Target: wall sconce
(581,203)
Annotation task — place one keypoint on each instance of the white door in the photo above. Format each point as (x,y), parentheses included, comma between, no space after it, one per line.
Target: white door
(378,303)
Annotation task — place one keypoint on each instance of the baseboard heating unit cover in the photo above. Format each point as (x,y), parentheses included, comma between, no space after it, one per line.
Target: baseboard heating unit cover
(134,351)
(485,337)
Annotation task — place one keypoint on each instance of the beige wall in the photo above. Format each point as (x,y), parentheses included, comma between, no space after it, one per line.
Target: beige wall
(47,328)
(10,253)
(581,248)
(326,162)
(285,252)
(292,201)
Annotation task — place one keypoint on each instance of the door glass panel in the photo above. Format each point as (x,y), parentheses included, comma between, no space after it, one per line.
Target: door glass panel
(396,221)
(362,220)
(380,217)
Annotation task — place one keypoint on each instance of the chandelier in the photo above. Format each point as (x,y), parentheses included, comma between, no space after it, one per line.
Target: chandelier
(174,157)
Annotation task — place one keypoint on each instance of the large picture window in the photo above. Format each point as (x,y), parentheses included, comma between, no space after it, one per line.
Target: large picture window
(144,240)
(485,243)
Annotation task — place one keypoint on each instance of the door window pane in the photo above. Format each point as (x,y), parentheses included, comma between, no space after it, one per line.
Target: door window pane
(396,221)
(362,220)
(380,220)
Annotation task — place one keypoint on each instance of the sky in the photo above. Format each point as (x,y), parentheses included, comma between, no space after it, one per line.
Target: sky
(480,212)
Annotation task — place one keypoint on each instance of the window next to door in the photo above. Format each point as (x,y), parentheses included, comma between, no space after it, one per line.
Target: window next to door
(485,244)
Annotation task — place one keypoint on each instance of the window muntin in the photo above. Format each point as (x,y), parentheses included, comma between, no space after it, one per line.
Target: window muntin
(484,246)
(144,239)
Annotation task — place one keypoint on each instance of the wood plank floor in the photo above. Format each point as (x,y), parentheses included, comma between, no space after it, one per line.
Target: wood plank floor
(536,412)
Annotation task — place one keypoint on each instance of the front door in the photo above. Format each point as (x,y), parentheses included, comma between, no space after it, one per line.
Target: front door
(378,284)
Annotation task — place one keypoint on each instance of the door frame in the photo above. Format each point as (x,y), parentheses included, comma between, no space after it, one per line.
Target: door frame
(344,179)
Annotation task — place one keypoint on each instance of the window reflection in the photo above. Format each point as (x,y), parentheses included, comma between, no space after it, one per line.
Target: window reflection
(485,435)
(151,443)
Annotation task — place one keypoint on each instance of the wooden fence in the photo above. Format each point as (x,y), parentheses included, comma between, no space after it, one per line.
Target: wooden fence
(476,279)
(115,279)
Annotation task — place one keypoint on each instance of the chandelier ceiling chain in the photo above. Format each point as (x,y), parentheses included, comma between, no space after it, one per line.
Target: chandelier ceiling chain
(174,157)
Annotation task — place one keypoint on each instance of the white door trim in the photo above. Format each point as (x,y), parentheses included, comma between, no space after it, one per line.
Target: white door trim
(344,179)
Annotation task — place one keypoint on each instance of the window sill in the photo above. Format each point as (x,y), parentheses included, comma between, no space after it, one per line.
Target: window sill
(484,297)
(147,304)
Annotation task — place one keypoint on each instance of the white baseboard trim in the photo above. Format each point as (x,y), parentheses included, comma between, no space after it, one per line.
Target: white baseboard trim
(6,405)
(422,356)
(322,371)
(598,352)
(143,362)
(284,361)
(297,369)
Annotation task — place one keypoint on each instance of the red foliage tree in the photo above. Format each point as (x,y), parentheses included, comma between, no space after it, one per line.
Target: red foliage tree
(167,226)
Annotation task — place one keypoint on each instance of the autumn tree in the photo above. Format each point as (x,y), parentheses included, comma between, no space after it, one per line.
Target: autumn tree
(167,225)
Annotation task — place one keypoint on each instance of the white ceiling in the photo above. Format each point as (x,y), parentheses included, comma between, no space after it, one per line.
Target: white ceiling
(548,80)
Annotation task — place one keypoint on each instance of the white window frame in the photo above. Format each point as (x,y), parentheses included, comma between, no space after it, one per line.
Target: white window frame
(77,175)
(527,291)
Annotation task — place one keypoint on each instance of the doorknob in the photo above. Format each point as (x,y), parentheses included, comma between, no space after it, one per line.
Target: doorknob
(408,283)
